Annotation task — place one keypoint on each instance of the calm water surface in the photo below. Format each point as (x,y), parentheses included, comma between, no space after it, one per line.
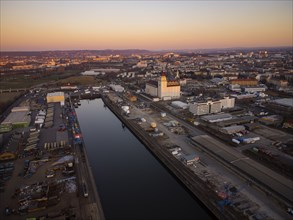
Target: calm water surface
(131,182)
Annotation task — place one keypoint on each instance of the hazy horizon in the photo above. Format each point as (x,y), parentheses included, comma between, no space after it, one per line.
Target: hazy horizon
(144,25)
(142,49)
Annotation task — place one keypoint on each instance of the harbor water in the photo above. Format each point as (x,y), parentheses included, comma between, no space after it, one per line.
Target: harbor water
(131,182)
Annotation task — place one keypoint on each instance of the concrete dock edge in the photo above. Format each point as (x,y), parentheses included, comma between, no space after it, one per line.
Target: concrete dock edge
(196,186)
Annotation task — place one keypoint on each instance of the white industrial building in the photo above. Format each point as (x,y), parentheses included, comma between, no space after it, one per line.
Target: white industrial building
(215,106)
(163,88)
(116,88)
(151,88)
(179,104)
(235,87)
(217,118)
(227,102)
(209,107)
(19,117)
(203,108)
(199,108)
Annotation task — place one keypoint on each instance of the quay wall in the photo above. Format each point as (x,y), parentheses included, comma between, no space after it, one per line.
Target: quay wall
(196,186)
(96,210)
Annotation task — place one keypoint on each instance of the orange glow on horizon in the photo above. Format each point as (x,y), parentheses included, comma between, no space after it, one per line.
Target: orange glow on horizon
(31,28)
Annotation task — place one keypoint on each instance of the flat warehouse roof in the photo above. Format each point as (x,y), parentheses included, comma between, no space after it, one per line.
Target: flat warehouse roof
(243,119)
(55,94)
(215,117)
(234,127)
(17,117)
(286,102)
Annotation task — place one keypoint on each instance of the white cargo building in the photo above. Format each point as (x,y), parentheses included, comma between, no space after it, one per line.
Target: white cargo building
(227,102)
(179,104)
(203,108)
(116,88)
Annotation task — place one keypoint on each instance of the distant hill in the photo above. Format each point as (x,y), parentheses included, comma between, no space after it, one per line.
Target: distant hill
(232,49)
(69,53)
(74,53)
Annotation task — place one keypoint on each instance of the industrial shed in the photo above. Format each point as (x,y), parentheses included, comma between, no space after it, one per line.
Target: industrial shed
(20,109)
(179,104)
(232,129)
(116,88)
(216,118)
(56,97)
(237,121)
(18,118)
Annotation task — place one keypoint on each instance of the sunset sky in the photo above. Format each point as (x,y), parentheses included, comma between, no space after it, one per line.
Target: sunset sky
(154,25)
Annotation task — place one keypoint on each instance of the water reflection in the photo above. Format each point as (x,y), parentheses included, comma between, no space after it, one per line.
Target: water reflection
(132,184)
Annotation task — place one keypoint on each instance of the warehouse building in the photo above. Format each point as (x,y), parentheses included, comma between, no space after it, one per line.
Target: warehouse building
(199,108)
(215,106)
(116,88)
(56,97)
(238,121)
(21,109)
(179,104)
(204,108)
(211,106)
(18,118)
(287,102)
(216,118)
(232,129)
(244,96)
(227,102)
(235,87)
(252,89)
(151,88)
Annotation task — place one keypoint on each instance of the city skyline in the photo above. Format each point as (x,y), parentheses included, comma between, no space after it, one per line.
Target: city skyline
(163,25)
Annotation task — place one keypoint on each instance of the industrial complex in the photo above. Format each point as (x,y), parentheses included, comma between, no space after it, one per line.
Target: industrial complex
(224,131)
